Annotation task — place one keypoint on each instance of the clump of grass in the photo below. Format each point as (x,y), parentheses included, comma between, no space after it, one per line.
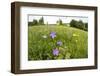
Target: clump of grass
(67,43)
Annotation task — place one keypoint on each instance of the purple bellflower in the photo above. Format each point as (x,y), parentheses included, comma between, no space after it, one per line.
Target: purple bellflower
(52,35)
(59,43)
(55,52)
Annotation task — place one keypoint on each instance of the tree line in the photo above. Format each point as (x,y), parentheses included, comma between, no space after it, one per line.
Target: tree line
(79,24)
(73,23)
(37,22)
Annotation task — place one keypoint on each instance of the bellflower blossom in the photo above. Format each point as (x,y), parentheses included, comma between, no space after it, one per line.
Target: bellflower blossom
(52,35)
(59,43)
(55,52)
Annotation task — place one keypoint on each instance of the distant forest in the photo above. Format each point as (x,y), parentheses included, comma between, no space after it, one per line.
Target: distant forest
(73,23)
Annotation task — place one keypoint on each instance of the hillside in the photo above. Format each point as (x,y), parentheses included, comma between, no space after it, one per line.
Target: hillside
(40,44)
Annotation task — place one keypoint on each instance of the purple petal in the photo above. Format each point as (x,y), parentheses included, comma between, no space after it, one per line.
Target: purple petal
(59,43)
(55,52)
(52,34)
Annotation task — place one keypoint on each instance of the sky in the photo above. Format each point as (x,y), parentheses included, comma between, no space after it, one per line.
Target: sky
(54,19)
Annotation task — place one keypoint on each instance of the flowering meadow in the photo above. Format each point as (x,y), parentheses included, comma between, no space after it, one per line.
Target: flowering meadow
(56,42)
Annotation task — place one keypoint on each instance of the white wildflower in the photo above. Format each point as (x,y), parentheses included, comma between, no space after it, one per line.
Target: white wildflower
(44,36)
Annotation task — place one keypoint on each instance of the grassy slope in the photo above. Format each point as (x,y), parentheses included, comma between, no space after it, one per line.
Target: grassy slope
(74,42)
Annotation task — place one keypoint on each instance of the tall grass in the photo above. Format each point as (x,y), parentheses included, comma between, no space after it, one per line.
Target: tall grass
(41,45)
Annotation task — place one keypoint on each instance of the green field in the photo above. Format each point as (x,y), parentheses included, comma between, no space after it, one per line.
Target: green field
(41,45)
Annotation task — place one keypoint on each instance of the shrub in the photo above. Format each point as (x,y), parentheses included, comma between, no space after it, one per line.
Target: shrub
(35,22)
(86,26)
(59,22)
(73,23)
(79,24)
(41,21)
(30,23)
